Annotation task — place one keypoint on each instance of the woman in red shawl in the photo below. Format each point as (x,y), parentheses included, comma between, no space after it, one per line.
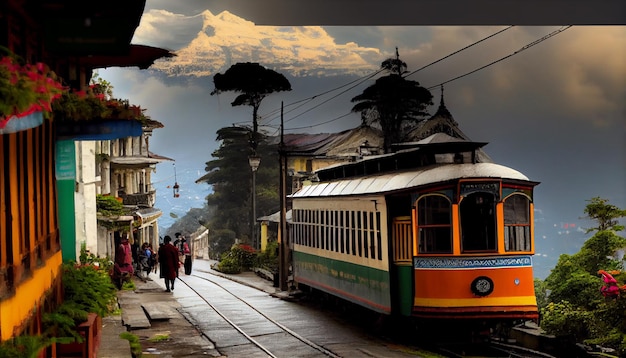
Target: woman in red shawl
(168,259)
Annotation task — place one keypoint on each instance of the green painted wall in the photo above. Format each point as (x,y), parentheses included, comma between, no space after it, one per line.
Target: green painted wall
(66,185)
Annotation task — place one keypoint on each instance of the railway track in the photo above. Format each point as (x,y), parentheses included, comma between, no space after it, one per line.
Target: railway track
(244,322)
(238,317)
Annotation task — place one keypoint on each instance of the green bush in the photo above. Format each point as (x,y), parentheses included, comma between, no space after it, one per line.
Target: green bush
(563,319)
(88,289)
(228,264)
(269,258)
(240,257)
(23,347)
(244,254)
(109,206)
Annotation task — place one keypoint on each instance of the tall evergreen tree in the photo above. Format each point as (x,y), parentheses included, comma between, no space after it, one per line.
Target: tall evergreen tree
(228,174)
(254,82)
(393,101)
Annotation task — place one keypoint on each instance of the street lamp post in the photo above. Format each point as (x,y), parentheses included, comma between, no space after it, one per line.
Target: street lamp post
(254,161)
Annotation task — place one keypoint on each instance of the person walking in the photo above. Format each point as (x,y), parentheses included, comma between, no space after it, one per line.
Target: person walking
(123,267)
(168,260)
(187,255)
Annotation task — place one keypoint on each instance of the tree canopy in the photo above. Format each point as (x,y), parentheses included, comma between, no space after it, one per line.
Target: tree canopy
(606,215)
(254,82)
(393,101)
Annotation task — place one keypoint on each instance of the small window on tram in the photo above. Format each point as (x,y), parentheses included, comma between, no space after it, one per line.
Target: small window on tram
(434,224)
(517,223)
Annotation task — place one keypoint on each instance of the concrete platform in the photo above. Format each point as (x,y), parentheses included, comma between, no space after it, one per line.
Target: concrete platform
(111,345)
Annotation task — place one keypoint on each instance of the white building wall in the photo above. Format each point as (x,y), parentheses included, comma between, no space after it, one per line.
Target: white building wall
(85,197)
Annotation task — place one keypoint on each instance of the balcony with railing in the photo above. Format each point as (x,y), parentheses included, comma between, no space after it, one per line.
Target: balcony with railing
(141,199)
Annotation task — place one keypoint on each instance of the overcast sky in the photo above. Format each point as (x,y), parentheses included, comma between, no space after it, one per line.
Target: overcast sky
(555,110)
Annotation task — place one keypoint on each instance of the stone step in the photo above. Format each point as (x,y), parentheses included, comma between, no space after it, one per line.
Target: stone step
(160,311)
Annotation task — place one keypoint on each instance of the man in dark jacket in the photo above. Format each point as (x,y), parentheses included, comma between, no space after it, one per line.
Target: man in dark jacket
(168,260)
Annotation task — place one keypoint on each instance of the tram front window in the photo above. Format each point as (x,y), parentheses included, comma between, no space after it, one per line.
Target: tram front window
(478,222)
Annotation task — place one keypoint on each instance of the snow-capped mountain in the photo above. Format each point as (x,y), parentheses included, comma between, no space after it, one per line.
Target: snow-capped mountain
(226,39)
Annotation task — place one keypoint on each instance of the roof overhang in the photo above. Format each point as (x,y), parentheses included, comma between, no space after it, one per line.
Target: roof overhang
(138,56)
(117,162)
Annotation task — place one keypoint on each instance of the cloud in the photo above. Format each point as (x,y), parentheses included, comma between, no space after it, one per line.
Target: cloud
(165,29)
(225,39)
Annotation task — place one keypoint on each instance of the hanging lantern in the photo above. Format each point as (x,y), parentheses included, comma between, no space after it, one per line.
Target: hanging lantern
(175,188)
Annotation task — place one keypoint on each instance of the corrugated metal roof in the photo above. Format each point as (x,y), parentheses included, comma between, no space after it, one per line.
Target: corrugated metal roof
(275,218)
(401,180)
(332,144)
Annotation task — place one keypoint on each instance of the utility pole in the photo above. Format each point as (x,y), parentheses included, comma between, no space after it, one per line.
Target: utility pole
(283,243)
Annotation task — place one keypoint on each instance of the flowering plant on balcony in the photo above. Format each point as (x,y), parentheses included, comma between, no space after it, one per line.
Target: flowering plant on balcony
(26,89)
(95,103)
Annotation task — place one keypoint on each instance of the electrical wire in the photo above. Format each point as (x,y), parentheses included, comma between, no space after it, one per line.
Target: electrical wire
(553,33)
(276,113)
(319,124)
(360,80)
(272,114)
(455,52)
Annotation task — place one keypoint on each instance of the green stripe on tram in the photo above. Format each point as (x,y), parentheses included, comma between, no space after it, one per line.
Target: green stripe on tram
(356,283)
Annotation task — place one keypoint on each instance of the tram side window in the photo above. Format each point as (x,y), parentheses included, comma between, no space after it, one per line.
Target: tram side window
(434,224)
(478,222)
(517,223)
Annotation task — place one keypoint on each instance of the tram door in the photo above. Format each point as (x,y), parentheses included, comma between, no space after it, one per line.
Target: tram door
(402,270)
(478,222)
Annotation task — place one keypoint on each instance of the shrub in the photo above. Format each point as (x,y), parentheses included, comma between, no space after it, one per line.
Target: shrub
(109,206)
(23,347)
(228,264)
(88,288)
(563,319)
(240,257)
(244,254)
(269,258)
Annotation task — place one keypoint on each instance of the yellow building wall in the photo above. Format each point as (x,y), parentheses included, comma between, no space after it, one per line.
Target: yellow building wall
(22,306)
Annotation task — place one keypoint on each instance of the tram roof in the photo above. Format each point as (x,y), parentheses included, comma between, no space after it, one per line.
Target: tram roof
(395,181)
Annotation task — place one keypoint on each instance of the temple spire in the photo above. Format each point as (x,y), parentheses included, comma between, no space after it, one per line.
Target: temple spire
(442,111)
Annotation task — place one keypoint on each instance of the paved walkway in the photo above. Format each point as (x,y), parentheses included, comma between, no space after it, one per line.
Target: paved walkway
(154,316)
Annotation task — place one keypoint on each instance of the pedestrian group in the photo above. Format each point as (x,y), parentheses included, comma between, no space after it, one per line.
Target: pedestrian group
(142,260)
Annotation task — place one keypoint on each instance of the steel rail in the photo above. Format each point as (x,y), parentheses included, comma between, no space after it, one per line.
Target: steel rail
(251,339)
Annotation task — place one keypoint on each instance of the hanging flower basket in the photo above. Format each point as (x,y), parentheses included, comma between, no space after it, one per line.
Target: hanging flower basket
(90,115)
(26,94)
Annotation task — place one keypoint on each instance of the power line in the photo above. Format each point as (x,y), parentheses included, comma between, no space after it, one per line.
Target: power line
(319,124)
(340,93)
(553,33)
(276,113)
(362,79)
(455,52)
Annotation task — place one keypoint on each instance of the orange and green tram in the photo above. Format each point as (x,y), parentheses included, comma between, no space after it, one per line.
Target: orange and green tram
(428,233)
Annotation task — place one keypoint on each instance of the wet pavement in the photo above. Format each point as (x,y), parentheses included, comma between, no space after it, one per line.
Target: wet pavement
(176,324)
(156,318)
